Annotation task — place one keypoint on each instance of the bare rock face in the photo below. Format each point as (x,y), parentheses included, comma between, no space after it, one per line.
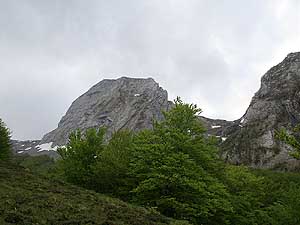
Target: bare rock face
(125,103)
(276,105)
(218,128)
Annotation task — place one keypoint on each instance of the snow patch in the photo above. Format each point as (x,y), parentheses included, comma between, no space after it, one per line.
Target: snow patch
(26,149)
(46,147)
(215,126)
(137,95)
(242,120)
(224,138)
(19,152)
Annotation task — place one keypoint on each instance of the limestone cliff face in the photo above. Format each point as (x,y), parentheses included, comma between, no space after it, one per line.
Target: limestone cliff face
(275,105)
(124,103)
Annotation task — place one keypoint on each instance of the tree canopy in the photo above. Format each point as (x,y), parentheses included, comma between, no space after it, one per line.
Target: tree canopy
(174,165)
(80,154)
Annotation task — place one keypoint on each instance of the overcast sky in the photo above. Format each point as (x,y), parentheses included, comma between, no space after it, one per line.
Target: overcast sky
(209,52)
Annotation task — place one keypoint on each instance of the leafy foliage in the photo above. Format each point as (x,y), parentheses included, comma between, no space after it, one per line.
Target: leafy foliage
(282,198)
(174,165)
(5,148)
(110,172)
(291,140)
(80,155)
(247,194)
(175,169)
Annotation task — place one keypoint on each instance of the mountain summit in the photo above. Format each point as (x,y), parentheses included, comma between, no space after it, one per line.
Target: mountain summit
(276,105)
(124,103)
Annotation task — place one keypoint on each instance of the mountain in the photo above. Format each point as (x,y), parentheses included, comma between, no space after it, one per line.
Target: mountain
(276,105)
(131,103)
(124,103)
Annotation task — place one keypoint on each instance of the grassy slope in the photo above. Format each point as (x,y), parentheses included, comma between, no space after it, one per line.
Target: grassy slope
(30,199)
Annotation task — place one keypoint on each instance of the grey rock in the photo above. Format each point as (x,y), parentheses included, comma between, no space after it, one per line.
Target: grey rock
(276,105)
(124,103)
(218,128)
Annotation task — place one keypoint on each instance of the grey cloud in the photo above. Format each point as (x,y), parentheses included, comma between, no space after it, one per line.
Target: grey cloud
(212,53)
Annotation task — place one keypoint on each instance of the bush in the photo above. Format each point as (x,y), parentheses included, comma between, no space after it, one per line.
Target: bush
(80,155)
(41,164)
(247,194)
(110,172)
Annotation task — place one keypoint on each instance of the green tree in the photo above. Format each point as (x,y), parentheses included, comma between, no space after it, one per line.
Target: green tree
(283,197)
(80,155)
(112,166)
(247,193)
(5,146)
(291,140)
(174,165)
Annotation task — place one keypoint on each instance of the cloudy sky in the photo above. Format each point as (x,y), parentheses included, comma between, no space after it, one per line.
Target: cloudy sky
(209,52)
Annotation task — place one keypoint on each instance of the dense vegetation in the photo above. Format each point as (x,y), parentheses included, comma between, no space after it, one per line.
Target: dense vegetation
(27,199)
(173,168)
(32,192)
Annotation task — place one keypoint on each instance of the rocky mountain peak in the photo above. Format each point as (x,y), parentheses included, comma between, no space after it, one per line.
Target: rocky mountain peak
(281,78)
(274,106)
(124,103)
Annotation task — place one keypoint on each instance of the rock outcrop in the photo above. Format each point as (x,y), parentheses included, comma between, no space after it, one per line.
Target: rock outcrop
(276,105)
(124,103)
(219,128)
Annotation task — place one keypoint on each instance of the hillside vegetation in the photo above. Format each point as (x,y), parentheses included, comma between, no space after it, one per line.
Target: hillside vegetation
(173,169)
(28,199)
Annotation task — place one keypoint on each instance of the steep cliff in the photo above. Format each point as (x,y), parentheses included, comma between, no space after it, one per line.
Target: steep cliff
(124,103)
(276,105)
